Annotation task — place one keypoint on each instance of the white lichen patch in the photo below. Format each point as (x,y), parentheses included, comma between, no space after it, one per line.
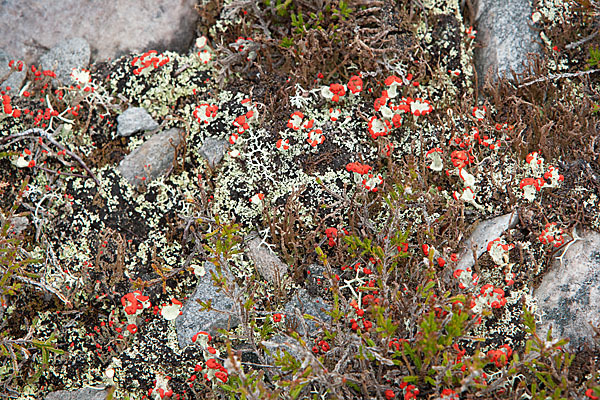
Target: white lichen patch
(554,10)
(159,89)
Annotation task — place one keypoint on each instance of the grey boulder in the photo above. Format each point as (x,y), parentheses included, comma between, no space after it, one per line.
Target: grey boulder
(15,79)
(112,28)
(506,37)
(65,56)
(484,233)
(569,295)
(88,393)
(193,320)
(212,150)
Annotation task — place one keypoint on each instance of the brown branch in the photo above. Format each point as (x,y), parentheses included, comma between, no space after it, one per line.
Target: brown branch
(558,76)
(45,134)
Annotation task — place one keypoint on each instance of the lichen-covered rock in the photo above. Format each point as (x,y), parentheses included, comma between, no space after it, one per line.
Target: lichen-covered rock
(569,295)
(193,320)
(268,265)
(65,56)
(134,120)
(152,159)
(505,35)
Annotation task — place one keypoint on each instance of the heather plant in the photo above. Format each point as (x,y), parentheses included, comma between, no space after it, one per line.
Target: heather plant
(14,259)
(396,330)
(25,356)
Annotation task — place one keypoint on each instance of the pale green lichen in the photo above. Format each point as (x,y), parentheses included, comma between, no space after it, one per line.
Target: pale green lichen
(555,10)
(159,89)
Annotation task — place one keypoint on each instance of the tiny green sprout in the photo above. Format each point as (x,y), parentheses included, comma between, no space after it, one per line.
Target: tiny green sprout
(267,328)
(282,7)
(594,59)
(321,254)
(286,42)
(298,23)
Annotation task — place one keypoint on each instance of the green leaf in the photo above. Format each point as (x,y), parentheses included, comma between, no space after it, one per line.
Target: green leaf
(353,385)
(287,42)
(295,392)
(594,56)
(429,286)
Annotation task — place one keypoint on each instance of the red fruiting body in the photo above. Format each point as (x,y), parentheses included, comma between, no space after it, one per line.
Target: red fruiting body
(358,168)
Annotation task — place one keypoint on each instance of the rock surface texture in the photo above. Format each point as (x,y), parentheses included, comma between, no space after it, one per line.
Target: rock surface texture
(213,149)
(67,55)
(134,120)
(81,394)
(15,79)
(485,232)
(152,159)
(268,265)
(303,303)
(192,320)
(505,34)
(112,28)
(569,295)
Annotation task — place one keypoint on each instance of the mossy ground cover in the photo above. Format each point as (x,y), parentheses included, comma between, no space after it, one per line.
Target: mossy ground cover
(402,323)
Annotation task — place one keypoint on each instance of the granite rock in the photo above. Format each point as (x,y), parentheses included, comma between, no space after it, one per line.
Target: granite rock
(87,393)
(134,120)
(506,37)
(569,295)
(65,56)
(15,79)
(192,319)
(484,233)
(303,303)
(213,149)
(266,262)
(152,159)
(112,28)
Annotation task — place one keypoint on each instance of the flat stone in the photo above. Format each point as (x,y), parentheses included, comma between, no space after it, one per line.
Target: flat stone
(213,149)
(112,28)
(484,233)
(569,295)
(15,79)
(66,55)
(134,120)
(157,153)
(193,319)
(505,36)
(268,265)
(305,303)
(88,393)
(277,344)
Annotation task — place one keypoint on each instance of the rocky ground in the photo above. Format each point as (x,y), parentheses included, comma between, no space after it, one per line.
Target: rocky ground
(312,200)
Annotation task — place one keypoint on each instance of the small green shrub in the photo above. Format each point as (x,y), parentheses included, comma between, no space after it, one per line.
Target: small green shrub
(15,353)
